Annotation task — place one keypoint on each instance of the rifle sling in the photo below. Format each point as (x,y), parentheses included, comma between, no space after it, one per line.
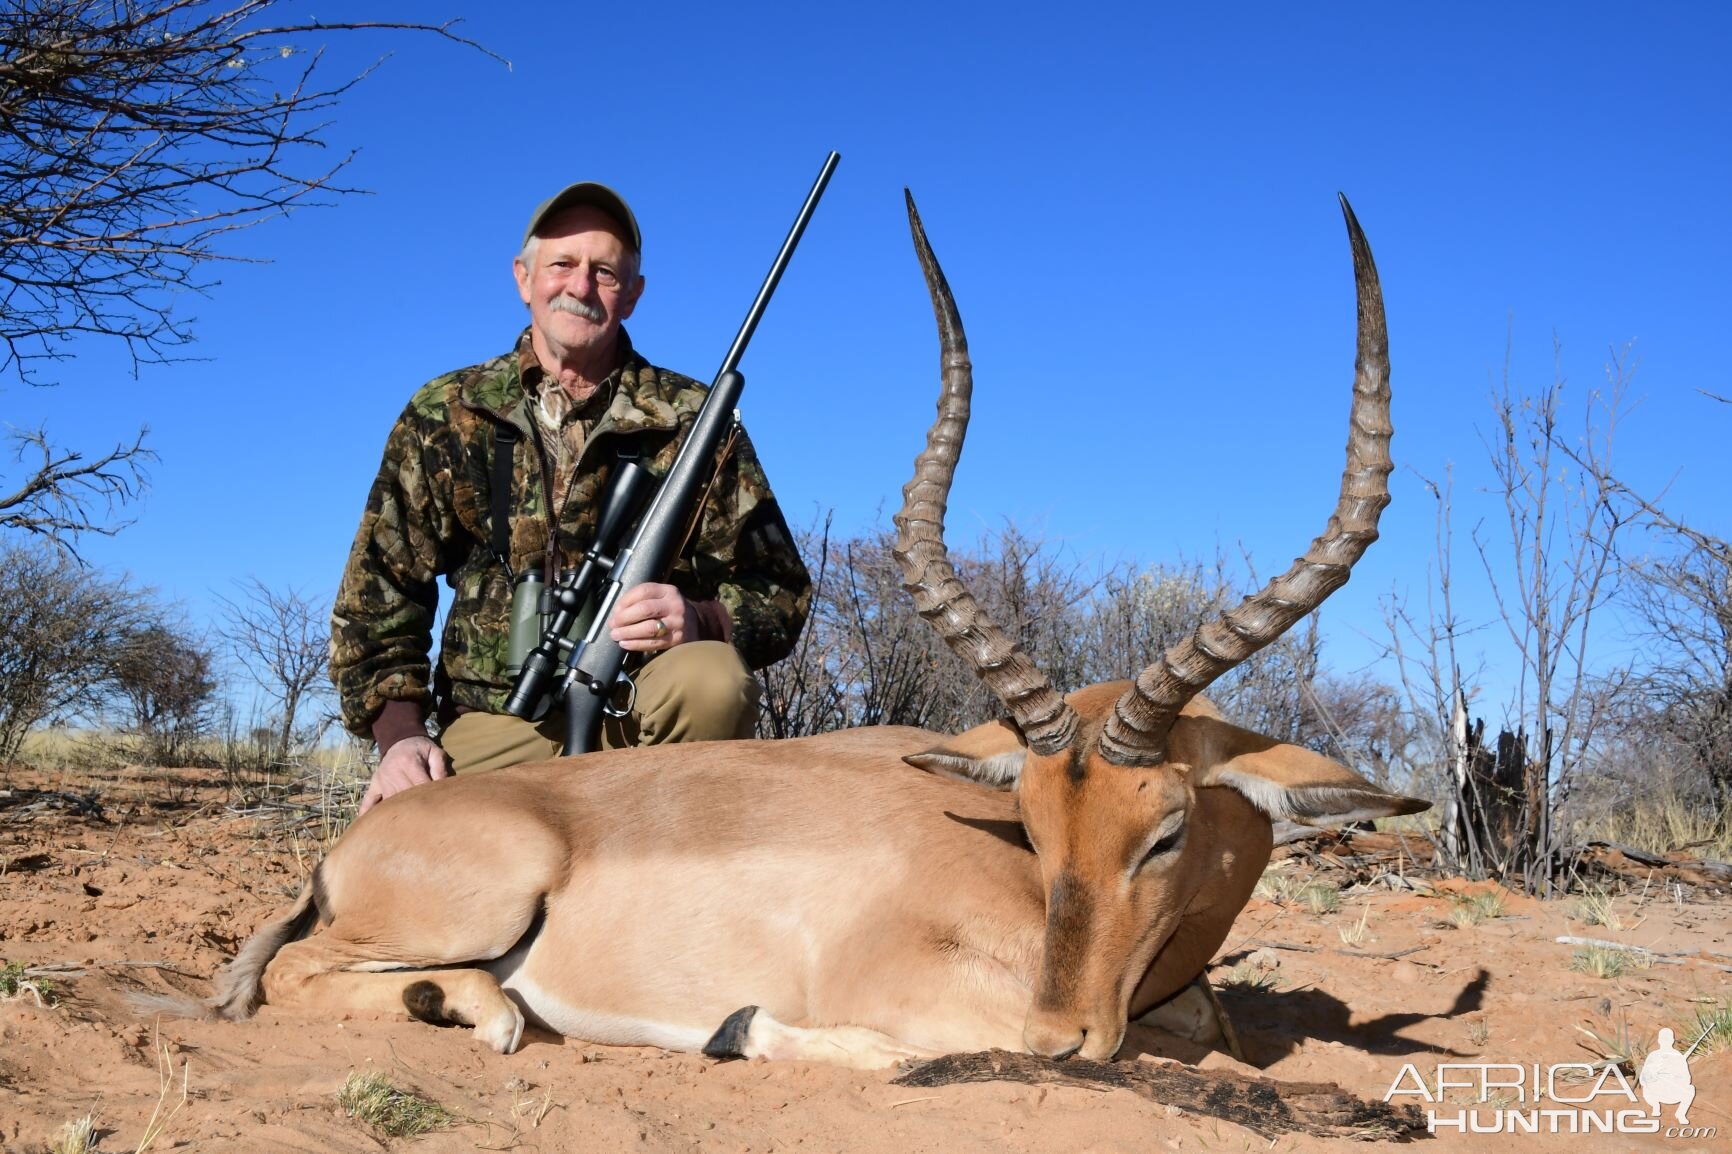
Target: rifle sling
(505,438)
(696,513)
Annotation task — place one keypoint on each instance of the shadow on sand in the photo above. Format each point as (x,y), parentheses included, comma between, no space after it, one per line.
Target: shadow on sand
(1272,1023)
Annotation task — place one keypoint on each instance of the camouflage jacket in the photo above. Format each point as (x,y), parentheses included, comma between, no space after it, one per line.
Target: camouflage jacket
(428,516)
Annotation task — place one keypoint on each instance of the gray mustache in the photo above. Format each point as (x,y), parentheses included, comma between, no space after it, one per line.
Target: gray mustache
(570,304)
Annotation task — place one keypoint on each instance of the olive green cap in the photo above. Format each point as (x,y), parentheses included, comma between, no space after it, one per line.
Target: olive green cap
(589,192)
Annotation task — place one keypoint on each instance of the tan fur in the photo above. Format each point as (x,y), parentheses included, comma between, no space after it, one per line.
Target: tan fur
(238,992)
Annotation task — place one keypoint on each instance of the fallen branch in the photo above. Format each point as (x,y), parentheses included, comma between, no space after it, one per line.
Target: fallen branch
(1266,1107)
(1627,861)
(1287,832)
(1299,949)
(1670,956)
(29,801)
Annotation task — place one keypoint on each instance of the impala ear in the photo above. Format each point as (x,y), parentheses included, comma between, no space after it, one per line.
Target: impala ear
(989,755)
(1287,782)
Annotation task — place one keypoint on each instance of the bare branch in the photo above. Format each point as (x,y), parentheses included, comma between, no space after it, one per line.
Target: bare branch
(281,637)
(56,500)
(135,137)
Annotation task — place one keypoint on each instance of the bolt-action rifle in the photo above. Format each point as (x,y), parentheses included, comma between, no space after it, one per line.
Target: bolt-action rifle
(594,676)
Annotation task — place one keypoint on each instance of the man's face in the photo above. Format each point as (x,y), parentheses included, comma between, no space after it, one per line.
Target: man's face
(583,284)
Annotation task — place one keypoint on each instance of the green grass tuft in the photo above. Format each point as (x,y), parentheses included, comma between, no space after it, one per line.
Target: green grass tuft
(1606,963)
(16,982)
(372,1099)
(1614,1044)
(1470,909)
(1321,897)
(1713,1024)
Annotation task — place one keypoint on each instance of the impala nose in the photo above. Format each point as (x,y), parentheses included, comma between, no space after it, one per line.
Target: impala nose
(1053,1039)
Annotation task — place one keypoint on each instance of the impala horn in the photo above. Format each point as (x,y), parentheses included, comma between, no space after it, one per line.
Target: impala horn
(1049,724)
(1136,733)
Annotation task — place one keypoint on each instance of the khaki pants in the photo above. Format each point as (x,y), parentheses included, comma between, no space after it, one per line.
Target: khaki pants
(699,691)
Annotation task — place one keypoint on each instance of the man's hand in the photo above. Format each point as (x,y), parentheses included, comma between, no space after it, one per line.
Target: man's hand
(412,761)
(648,618)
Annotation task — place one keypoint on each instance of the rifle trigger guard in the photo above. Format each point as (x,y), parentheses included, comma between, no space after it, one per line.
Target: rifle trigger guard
(608,707)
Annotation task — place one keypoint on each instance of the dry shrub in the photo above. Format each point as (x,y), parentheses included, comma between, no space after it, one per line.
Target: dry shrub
(866,657)
(1644,792)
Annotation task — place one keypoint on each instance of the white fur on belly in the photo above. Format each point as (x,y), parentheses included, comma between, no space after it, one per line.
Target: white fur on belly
(600,1026)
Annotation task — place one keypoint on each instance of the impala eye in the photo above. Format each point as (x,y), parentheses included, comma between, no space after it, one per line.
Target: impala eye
(1164,845)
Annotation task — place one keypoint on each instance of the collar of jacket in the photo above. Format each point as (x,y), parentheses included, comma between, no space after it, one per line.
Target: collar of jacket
(642,400)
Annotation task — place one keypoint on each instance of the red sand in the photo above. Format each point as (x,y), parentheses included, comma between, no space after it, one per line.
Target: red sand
(159,898)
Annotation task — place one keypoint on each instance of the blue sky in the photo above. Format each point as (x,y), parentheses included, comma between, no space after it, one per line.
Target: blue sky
(1135,205)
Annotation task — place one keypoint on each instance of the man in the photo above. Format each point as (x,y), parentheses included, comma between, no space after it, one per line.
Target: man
(566,405)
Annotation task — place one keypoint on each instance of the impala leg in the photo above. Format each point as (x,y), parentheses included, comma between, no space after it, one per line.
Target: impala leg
(752,1033)
(954,994)
(409,892)
(1195,1013)
(326,972)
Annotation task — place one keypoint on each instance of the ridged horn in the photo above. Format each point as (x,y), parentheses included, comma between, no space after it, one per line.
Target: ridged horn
(1046,720)
(1136,733)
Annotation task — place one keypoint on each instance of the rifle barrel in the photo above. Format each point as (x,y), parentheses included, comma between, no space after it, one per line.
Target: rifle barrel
(593,664)
(777,266)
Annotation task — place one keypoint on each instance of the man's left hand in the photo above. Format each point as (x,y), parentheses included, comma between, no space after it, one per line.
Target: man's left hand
(649,618)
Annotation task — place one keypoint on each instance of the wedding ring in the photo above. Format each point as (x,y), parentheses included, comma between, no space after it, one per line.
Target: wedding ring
(661,628)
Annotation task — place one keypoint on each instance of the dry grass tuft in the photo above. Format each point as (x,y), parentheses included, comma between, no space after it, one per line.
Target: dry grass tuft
(165,1077)
(1357,933)
(1713,1025)
(1282,886)
(1248,979)
(1278,883)
(1607,963)
(76,1137)
(1256,974)
(1661,822)
(1597,906)
(1614,1045)
(1474,907)
(373,1100)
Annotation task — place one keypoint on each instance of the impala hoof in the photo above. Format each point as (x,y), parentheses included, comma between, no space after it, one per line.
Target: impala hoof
(504,1031)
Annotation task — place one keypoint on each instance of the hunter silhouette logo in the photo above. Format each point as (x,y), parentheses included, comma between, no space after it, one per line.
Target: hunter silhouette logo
(1561,1098)
(1665,1077)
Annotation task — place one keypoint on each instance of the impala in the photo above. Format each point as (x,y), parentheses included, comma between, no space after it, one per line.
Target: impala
(1050,876)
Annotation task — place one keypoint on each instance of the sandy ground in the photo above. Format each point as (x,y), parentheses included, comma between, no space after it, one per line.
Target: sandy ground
(156,892)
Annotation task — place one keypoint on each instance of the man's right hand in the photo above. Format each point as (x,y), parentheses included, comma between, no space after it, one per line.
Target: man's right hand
(410,762)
